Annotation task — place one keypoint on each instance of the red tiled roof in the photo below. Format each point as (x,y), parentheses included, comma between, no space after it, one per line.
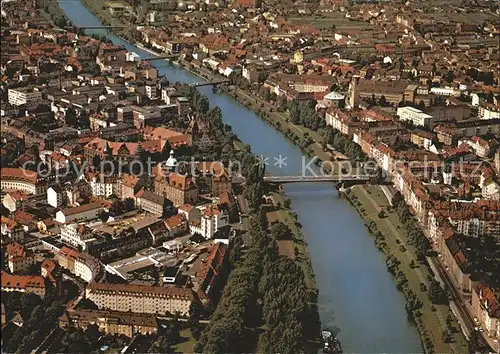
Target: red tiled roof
(19,173)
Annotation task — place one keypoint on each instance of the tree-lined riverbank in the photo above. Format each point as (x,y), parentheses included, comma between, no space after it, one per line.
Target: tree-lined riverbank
(346,264)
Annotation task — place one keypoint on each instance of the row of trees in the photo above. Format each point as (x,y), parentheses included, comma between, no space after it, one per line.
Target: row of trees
(39,316)
(56,13)
(413,230)
(342,143)
(264,291)
(234,321)
(304,114)
(291,321)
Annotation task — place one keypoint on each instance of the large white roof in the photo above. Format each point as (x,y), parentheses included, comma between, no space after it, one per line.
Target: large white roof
(334,96)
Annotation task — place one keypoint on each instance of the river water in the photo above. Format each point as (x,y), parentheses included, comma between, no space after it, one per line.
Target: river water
(357,296)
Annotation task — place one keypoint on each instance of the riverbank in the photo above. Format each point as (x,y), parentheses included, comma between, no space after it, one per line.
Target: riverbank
(339,304)
(412,277)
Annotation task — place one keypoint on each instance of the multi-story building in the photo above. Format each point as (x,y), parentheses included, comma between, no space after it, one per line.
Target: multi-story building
(212,219)
(416,116)
(55,196)
(82,265)
(12,229)
(21,179)
(497,161)
(141,298)
(177,225)
(150,202)
(341,121)
(486,308)
(215,176)
(481,147)
(212,270)
(19,258)
(87,267)
(23,283)
(130,185)
(80,213)
(77,235)
(22,96)
(393,91)
(488,111)
(14,200)
(111,322)
(180,189)
(103,186)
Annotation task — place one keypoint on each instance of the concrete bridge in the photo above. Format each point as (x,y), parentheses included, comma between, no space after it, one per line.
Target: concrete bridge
(309,179)
(200,84)
(158,57)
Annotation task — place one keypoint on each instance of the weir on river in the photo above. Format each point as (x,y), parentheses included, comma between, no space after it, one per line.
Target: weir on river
(357,295)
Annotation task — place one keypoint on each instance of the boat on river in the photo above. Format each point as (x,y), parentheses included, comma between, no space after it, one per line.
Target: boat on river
(330,343)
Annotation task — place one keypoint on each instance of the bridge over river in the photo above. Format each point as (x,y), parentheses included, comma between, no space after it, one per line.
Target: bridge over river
(301,179)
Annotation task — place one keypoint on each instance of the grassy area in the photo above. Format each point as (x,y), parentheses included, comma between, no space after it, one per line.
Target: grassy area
(297,248)
(186,344)
(370,200)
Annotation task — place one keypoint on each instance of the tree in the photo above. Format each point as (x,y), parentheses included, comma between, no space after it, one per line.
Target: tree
(436,293)
(28,303)
(383,101)
(70,117)
(96,161)
(129,204)
(280,231)
(446,336)
(490,97)
(165,153)
(168,209)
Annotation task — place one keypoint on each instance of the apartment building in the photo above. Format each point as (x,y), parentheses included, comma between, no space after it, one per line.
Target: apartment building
(55,196)
(341,121)
(80,213)
(212,219)
(77,235)
(23,283)
(19,259)
(111,322)
(213,268)
(486,308)
(12,229)
(21,179)
(23,95)
(180,189)
(150,202)
(141,298)
(82,265)
(416,116)
(129,186)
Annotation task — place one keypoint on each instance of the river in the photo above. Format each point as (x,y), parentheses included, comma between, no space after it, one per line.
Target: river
(357,296)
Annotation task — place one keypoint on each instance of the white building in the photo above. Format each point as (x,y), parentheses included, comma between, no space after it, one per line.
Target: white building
(80,213)
(446,91)
(416,116)
(212,219)
(86,267)
(23,95)
(151,92)
(55,196)
(102,187)
(488,112)
(77,235)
